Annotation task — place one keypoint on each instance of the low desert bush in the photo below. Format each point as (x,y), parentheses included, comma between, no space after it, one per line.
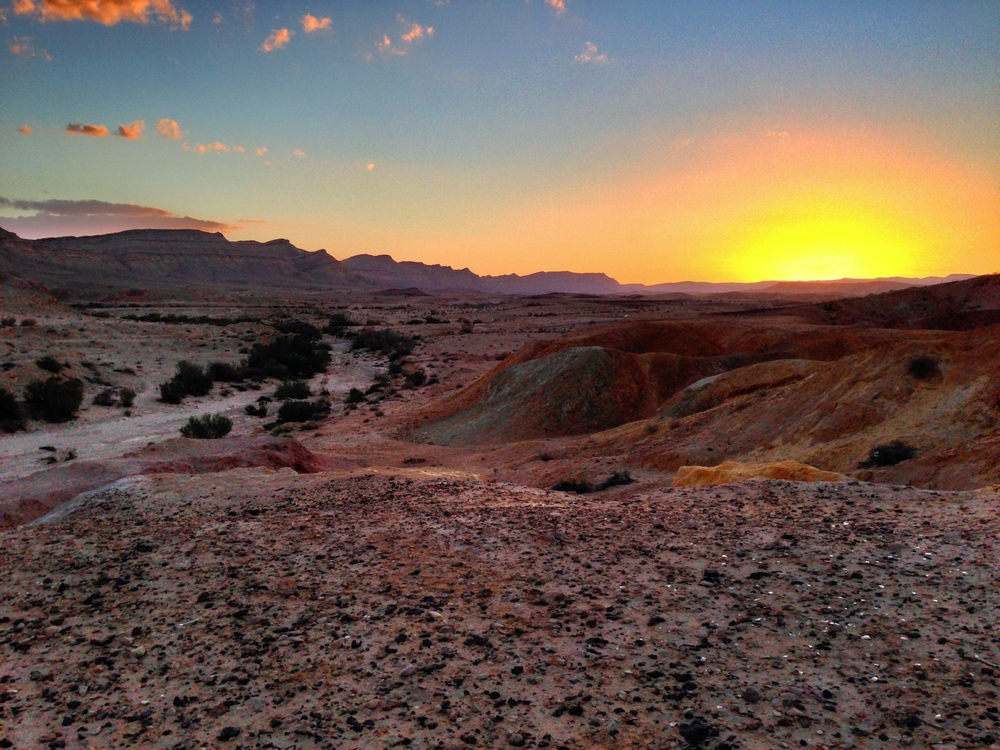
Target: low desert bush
(385,341)
(617,479)
(415,379)
(923,367)
(50,364)
(298,328)
(207,427)
(225,372)
(355,396)
(303,411)
(107,397)
(292,389)
(889,454)
(126,396)
(338,325)
(8,322)
(193,377)
(579,486)
(172,392)
(11,419)
(55,399)
(288,357)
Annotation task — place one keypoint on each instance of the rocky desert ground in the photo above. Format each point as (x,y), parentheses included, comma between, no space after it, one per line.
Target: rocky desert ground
(513,549)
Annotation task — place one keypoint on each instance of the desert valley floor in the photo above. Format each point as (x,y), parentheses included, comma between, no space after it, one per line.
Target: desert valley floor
(402,572)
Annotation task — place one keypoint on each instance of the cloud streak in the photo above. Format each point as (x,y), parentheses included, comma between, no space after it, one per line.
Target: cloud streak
(558,5)
(81,217)
(312,24)
(106,12)
(26,130)
(94,131)
(132,131)
(277,39)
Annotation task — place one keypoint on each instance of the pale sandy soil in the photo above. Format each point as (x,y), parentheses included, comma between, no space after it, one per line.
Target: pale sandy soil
(435,601)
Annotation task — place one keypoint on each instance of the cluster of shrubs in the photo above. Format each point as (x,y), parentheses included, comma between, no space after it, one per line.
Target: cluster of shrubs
(55,399)
(111,396)
(189,380)
(338,325)
(582,487)
(171,318)
(384,341)
(207,427)
(10,322)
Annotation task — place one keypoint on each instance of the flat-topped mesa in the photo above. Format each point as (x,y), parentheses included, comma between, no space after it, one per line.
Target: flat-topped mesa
(175,257)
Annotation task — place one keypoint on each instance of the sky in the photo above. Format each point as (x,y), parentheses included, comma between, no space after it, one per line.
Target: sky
(652,140)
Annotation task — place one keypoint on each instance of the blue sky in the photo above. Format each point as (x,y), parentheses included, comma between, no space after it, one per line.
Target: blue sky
(634,138)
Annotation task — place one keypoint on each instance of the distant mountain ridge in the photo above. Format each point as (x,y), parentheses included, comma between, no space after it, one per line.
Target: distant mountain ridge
(167,258)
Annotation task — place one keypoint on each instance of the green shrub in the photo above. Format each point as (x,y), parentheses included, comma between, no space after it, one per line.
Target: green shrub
(207,427)
(355,396)
(11,419)
(172,392)
(55,399)
(303,411)
(225,372)
(298,328)
(126,396)
(288,357)
(195,380)
(50,364)
(297,389)
(579,486)
(394,345)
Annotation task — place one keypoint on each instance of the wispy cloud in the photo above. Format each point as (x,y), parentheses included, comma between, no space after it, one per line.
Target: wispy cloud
(558,5)
(26,130)
(298,152)
(261,151)
(411,34)
(204,148)
(22,46)
(132,131)
(169,129)
(311,23)
(107,12)
(276,40)
(94,131)
(590,54)
(60,217)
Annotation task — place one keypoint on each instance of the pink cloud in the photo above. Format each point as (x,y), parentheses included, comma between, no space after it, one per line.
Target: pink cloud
(276,40)
(204,148)
(23,47)
(590,54)
(107,12)
(311,23)
(411,34)
(558,5)
(261,151)
(299,153)
(26,130)
(169,129)
(132,131)
(94,131)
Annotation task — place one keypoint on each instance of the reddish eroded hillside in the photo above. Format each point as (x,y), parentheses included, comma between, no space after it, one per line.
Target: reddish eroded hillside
(25,499)
(956,306)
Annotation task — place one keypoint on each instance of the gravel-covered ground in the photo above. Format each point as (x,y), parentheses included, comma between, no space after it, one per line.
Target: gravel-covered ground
(264,609)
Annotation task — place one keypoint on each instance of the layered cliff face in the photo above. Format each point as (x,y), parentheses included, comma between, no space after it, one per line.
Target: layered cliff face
(159,258)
